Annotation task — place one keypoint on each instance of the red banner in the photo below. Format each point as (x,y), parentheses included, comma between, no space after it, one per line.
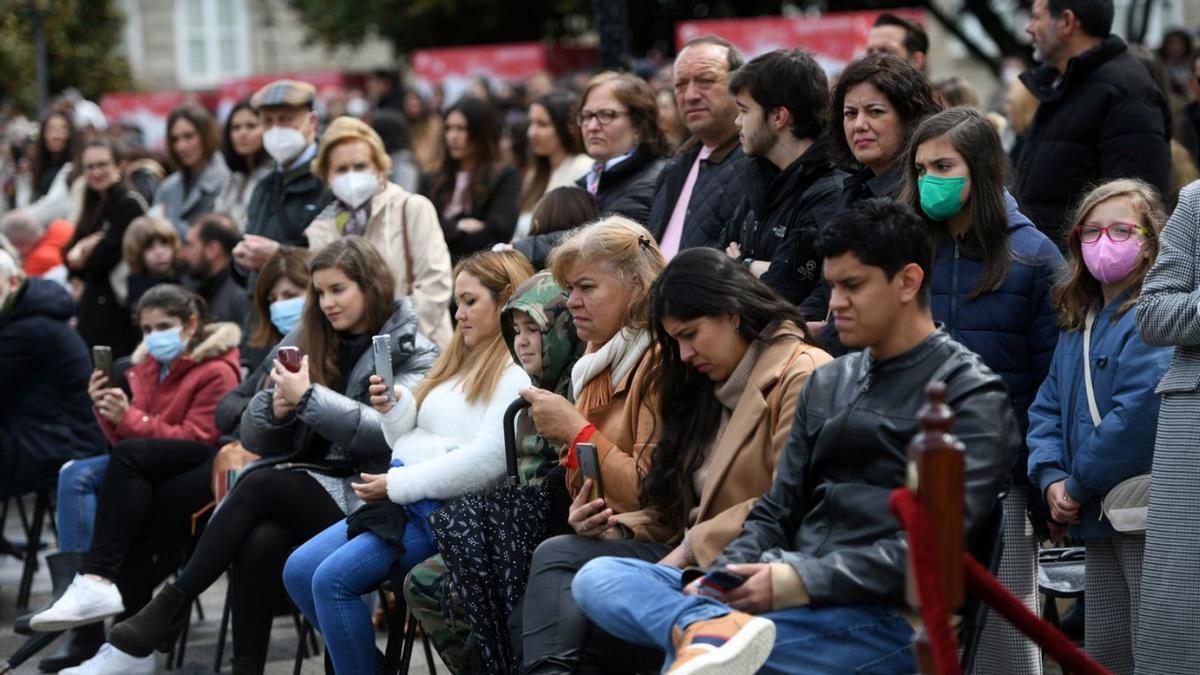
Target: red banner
(835,39)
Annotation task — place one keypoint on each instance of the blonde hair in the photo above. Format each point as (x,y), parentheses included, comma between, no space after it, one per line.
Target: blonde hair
(1077,290)
(628,248)
(1020,105)
(482,365)
(345,129)
(144,232)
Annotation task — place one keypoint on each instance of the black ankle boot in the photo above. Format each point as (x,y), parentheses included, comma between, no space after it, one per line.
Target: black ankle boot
(154,625)
(245,665)
(81,644)
(63,567)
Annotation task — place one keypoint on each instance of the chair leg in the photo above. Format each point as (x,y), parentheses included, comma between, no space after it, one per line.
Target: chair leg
(428,654)
(183,640)
(410,638)
(305,628)
(223,631)
(32,544)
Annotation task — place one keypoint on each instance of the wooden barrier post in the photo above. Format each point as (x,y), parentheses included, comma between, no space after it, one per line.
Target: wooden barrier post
(935,469)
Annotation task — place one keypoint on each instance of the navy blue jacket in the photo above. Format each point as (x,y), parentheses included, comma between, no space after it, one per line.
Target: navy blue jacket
(1013,328)
(45,413)
(1063,442)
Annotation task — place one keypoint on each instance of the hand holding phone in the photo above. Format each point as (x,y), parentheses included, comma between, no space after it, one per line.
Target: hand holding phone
(102,358)
(381,345)
(718,582)
(289,357)
(589,467)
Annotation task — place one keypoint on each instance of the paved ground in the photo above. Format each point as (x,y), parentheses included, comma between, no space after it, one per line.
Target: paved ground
(202,641)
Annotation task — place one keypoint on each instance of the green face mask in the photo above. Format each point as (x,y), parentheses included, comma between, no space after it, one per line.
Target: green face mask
(941,198)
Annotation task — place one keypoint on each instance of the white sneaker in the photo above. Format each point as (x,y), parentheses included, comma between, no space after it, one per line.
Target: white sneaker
(112,661)
(86,601)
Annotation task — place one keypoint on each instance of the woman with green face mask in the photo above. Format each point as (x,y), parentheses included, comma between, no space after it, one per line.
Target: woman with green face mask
(992,275)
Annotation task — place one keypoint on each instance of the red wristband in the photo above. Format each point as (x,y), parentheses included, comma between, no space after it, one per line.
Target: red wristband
(572,462)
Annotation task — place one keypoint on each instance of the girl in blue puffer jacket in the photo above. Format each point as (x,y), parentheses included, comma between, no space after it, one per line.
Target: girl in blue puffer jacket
(1074,461)
(990,289)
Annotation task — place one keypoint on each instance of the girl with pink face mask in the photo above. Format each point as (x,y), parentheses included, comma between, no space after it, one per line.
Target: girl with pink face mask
(1094,421)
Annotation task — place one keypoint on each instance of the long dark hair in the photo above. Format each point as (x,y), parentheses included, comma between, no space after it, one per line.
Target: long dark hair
(483,135)
(289,262)
(974,137)
(361,263)
(92,214)
(45,164)
(699,282)
(176,301)
(233,160)
(559,105)
(206,128)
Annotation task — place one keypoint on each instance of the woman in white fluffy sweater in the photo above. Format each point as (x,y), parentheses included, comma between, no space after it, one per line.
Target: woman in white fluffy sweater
(447,440)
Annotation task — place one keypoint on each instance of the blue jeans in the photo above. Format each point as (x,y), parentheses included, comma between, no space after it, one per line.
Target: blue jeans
(78,482)
(327,577)
(640,602)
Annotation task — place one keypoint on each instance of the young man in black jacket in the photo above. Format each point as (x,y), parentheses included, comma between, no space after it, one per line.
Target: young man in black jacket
(789,182)
(820,557)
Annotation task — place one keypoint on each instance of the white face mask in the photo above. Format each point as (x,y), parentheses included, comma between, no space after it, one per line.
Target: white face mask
(354,188)
(284,144)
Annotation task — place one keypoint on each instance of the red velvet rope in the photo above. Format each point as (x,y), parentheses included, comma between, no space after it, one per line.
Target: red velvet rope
(936,615)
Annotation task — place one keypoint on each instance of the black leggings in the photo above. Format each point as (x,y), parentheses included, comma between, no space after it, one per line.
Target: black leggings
(150,491)
(265,516)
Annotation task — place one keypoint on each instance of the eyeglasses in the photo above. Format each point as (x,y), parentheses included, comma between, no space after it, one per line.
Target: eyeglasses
(605,117)
(1090,232)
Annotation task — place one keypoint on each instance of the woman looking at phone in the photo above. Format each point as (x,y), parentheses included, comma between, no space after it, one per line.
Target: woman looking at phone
(317,416)
(447,440)
(163,437)
(734,357)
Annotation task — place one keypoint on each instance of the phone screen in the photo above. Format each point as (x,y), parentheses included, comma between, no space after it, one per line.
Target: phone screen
(589,466)
(381,345)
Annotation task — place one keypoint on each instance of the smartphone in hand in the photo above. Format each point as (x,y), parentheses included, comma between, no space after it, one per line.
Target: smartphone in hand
(719,582)
(102,358)
(381,345)
(589,466)
(289,357)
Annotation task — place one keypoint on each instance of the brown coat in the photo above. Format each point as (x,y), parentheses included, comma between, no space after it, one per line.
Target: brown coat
(393,211)
(626,431)
(743,462)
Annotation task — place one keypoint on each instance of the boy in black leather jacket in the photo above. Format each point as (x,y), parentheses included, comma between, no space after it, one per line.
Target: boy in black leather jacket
(821,560)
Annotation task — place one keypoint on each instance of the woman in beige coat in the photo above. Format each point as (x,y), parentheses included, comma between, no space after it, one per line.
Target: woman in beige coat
(403,226)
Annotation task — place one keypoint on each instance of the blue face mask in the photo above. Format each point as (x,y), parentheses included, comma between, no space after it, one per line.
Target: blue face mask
(165,345)
(285,314)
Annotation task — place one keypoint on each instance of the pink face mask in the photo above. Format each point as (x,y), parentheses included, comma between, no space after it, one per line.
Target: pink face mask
(1111,261)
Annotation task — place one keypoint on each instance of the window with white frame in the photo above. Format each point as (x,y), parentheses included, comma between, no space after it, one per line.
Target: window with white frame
(211,41)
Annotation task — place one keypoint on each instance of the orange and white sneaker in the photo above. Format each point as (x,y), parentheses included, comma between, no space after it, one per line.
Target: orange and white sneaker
(734,644)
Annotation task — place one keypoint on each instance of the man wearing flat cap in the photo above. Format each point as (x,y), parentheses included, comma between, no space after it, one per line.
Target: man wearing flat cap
(286,201)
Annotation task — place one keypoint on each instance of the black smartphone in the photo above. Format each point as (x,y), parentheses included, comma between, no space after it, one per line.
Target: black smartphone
(719,582)
(589,466)
(102,359)
(289,357)
(381,345)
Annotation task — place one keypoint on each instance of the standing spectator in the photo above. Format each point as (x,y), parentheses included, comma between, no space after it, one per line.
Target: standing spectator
(150,249)
(45,413)
(48,197)
(248,162)
(990,287)
(320,417)
(1168,315)
(1100,114)
(393,131)
(1075,458)
(207,254)
(698,190)
(1176,52)
(821,556)
(475,194)
(402,226)
(384,90)
(287,200)
(555,146)
(425,127)
(901,37)
(783,108)
(1189,124)
(193,142)
(95,250)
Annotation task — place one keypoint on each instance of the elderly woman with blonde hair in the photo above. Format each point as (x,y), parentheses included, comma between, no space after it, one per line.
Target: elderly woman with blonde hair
(403,226)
